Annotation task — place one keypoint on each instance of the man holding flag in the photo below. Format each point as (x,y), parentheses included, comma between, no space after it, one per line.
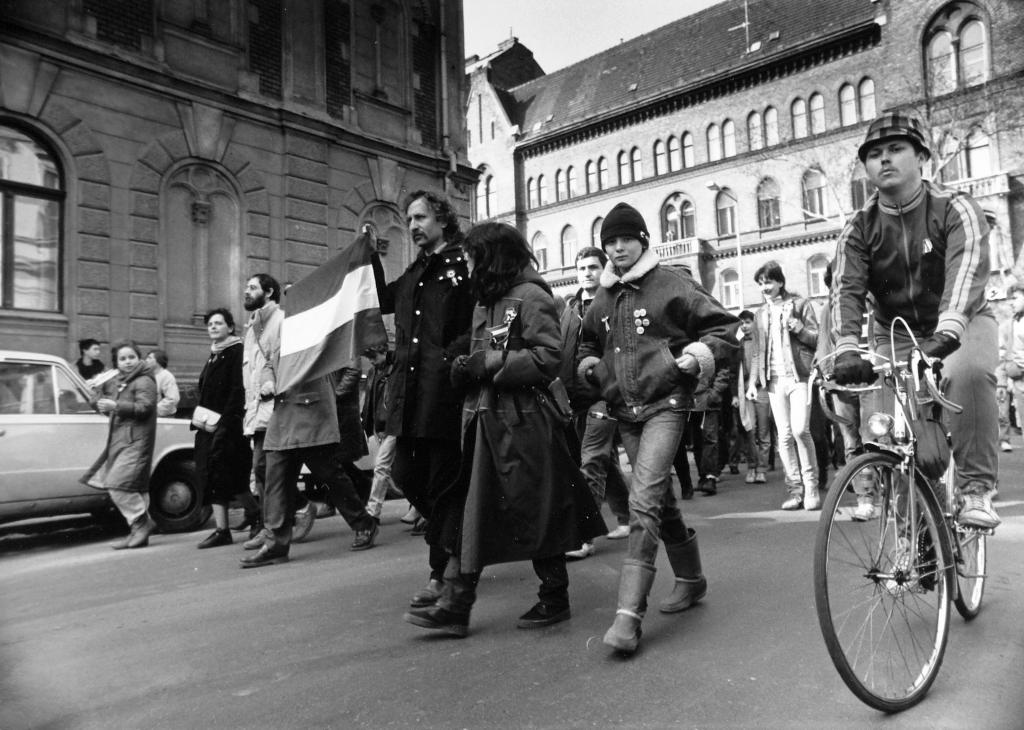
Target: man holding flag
(332,316)
(433,309)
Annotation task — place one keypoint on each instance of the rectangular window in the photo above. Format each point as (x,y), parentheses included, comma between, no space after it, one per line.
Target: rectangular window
(30,253)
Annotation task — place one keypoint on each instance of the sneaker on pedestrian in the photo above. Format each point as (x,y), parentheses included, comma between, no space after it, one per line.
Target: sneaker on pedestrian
(1005,446)
(585,551)
(865,509)
(543,614)
(304,519)
(794,501)
(751,477)
(977,511)
(708,485)
(410,517)
(760,478)
(619,533)
(812,500)
(419,527)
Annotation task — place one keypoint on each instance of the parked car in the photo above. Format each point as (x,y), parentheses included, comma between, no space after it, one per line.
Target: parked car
(50,434)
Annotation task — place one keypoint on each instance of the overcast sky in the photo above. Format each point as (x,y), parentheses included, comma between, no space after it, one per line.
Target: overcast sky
(562,32)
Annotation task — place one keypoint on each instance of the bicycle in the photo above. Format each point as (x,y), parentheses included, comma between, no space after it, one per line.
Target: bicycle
(883,585)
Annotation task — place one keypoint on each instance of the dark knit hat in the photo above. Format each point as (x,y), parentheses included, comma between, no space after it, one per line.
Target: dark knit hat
(895,124)
(624,220)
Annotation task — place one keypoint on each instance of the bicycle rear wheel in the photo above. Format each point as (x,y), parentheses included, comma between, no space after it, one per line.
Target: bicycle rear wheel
(882,595)
(971,561)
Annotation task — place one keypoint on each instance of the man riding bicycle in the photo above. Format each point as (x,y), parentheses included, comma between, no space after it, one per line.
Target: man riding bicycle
(922,252)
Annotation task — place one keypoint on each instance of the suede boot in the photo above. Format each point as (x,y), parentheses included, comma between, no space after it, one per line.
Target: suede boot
(635,583)
(690,586)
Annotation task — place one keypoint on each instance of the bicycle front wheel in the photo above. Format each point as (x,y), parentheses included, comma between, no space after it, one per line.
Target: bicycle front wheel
(971,561)
(882,582)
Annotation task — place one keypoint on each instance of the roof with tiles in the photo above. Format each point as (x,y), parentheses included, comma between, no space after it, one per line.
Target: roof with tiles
(683,54)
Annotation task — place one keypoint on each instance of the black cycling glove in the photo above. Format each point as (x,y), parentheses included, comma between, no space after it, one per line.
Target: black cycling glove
(851,368)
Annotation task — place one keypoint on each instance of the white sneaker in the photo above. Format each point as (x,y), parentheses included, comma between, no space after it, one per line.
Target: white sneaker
(794,501)
(812,501)
(977,511)
(586,551)
(1005,446)
(865,509)
(620,532)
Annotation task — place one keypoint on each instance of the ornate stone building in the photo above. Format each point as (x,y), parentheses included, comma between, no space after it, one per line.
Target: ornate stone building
(156,153)
(734,131)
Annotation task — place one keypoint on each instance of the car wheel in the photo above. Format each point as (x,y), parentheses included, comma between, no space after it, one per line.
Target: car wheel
(174,499)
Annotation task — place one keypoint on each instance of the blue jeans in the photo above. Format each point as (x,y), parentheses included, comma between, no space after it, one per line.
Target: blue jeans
(653,511)
(599,462)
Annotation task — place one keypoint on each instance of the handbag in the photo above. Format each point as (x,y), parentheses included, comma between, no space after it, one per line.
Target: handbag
(205,419)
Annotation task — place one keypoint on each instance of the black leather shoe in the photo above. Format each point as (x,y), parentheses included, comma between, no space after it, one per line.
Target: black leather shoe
(266,556)
(428,595)
(543,614)
(364,538)
(439,619)
(420,528)
(217,538)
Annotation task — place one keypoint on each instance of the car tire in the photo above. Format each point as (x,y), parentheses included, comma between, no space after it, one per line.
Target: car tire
(175,501)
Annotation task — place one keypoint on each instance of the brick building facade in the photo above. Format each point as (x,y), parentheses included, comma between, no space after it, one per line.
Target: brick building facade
(154,155)
(734,131)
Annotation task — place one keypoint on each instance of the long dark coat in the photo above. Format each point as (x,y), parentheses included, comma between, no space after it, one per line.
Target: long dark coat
(223,458)
(524,496)
(128,455)
(433,307)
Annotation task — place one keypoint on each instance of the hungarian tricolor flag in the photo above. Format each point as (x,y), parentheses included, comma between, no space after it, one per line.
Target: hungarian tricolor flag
(331,317)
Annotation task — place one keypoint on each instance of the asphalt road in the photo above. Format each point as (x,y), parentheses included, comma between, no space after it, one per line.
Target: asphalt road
(174,637)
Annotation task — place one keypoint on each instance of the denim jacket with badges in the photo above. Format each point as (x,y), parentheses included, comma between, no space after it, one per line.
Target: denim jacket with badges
(639,323)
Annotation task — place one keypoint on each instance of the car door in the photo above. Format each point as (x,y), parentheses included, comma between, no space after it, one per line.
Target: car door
(49,436)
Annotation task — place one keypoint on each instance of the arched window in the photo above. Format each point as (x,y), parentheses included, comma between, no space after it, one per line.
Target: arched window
(847,105)
(941,69)
(714,138)
(531,193)
(674,162)
(817,113)
(688,160)
(860,190)
(636,171)
(560,185)
(956,48)
(866,95)
(483,187)
(31,206)
(798,112)
(677,218)
(540,250)
(816,266)
(569,246)
(725,208)
(602,173)
(571,190)
(491,196)
(771,126)
(768,204)
(660,166)
(595,231)
(730,285)
(815,200)
(542,190)
(973,63)
(623,167)
(755,135)
(590,173)
(728,138)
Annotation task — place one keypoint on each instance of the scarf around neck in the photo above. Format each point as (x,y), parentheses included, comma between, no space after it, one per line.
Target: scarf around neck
(228,342)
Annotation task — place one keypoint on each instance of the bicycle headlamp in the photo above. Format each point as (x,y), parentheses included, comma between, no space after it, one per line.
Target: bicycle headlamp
(880,424)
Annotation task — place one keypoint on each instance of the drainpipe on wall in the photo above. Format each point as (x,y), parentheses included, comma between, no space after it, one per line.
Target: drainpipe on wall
(445,141)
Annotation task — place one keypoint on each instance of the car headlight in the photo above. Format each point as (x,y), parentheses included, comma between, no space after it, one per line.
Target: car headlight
(880,424)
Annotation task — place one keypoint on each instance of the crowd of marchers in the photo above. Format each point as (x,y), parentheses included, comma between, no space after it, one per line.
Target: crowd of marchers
(500,410)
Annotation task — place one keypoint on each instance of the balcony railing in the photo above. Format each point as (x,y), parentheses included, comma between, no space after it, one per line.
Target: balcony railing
(980,187)
(678,248)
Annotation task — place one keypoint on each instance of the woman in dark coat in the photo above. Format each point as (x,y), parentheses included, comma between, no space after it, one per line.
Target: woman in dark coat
(123,467)
(223,458)
(519,495)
